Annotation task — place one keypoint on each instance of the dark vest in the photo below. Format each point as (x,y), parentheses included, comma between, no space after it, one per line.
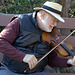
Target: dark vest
(29,41)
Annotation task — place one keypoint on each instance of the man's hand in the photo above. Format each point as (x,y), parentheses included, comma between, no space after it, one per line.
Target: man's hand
(31,60)
(71,61)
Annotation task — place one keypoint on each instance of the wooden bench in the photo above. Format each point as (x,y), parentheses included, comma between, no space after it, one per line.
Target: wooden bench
(65,29)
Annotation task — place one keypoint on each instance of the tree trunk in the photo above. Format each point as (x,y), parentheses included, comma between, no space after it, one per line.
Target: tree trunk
(66,6)
(0,2)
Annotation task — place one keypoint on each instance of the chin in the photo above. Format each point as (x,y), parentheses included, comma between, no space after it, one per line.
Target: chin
(48,30)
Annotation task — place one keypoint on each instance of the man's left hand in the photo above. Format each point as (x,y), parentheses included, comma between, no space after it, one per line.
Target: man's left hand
(71,61)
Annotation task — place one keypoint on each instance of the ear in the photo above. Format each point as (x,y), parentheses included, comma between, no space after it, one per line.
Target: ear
(42,14)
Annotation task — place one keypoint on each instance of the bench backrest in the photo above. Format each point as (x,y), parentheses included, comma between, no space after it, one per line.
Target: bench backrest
(4,20)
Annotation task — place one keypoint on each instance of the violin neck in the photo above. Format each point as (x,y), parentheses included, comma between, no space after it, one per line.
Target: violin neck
(67,49)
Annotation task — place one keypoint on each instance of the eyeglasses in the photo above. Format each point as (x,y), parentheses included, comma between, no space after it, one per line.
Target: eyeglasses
(55,20)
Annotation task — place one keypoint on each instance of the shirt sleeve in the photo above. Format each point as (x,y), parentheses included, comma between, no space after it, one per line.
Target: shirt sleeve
(54,60)
(7,37)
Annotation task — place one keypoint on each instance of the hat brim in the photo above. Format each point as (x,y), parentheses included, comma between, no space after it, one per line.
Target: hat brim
(52,13)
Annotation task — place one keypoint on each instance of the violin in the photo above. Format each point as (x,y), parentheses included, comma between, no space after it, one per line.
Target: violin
(53,39)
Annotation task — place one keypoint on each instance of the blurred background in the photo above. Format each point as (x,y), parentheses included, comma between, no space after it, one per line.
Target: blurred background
(26,6)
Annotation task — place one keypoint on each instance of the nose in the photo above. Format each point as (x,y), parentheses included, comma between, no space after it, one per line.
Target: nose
(55,23)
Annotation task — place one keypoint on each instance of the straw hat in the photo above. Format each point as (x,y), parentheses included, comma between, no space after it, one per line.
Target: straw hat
(52,8)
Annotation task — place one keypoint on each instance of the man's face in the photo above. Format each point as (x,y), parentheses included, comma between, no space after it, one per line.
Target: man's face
(48,22)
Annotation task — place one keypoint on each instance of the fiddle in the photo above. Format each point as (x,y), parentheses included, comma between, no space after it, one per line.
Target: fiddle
(54,38)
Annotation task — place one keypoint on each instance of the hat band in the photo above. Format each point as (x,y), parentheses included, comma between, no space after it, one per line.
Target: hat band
(51,9)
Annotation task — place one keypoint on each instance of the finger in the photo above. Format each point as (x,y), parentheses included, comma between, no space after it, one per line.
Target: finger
(34,63)
(74,58)
(30,64)
(35,59)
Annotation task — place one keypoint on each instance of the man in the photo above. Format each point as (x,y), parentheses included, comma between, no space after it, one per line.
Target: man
(21,44)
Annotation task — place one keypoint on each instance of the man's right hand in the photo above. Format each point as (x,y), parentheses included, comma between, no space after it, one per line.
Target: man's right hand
(31,60)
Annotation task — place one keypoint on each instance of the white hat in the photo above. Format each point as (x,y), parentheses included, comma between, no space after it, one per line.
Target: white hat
(52,8)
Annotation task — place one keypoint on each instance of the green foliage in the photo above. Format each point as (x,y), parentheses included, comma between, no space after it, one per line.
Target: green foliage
(22,6)
(72,12)
(1,28)
(26,6)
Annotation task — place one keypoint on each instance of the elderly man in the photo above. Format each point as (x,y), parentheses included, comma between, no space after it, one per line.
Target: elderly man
(21,44)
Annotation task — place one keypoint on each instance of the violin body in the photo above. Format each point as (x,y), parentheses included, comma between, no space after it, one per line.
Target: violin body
(54,38)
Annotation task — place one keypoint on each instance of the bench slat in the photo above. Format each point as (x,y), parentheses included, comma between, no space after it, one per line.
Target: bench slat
(70,40)
(5,19)
(68,24)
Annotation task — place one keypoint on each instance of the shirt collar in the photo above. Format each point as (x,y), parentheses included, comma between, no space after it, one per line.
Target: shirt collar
(34,18)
